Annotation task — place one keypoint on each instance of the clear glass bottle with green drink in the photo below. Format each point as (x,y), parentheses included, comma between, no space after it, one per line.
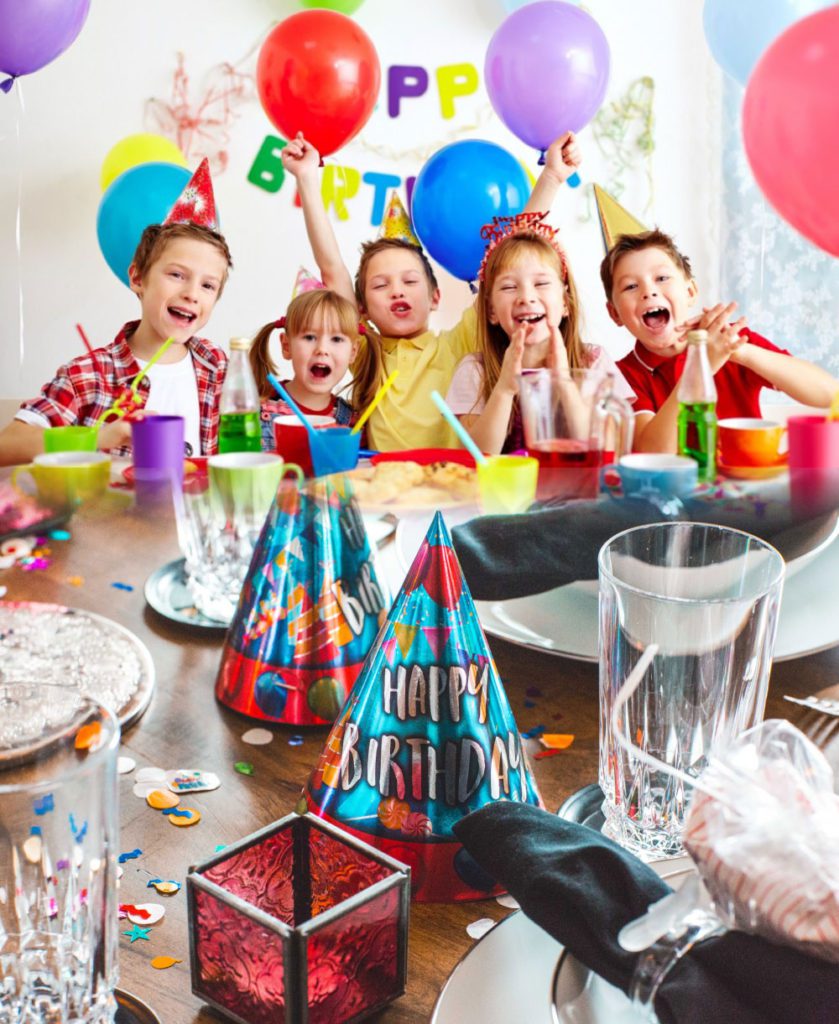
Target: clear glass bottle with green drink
(698,407)
(239,428)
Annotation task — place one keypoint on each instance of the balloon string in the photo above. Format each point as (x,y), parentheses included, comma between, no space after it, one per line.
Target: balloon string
(18,121)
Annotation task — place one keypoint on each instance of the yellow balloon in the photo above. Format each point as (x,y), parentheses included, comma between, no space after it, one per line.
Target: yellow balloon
(133,150)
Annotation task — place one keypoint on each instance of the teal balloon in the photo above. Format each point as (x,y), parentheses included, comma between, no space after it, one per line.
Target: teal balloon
(342,6)
(141,196)
(459,189)
(739,31)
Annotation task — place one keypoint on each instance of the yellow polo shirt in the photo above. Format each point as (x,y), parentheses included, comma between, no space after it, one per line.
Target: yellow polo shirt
(406,417)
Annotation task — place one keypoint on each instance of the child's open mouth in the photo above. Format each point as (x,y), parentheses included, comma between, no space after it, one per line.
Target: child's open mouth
(400,308)
(320,370)
(530,318)
(656,319)
(183,315)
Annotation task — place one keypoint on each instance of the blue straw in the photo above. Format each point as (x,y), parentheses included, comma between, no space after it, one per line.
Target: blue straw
(295,408)
(458,428)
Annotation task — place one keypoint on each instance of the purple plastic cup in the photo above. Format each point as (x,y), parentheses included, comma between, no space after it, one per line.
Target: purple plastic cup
(157,443)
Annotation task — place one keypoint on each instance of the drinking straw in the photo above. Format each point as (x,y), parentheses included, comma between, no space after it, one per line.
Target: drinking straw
(118,408)
(87,344)
(380,394)
(458,428)
(834,408)
(295,408)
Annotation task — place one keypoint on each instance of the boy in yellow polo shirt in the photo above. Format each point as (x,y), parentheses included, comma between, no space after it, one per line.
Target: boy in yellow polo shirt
(396,291)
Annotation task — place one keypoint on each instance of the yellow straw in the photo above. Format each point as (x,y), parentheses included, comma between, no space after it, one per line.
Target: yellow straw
(380,394)
(834,408)
(118,409)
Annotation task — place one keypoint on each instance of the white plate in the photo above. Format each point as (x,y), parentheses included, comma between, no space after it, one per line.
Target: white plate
(507,975)
(564,620)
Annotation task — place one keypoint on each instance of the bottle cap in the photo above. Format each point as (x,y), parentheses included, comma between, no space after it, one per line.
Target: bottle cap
(697,337)
(240,344)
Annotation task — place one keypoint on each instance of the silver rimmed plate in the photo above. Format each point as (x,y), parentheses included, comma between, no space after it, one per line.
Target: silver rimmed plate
(166,591)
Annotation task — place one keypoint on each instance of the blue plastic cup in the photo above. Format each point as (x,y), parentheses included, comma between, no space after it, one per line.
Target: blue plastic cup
(334,450)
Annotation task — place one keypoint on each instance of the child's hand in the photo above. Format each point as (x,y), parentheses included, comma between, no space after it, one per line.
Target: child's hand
(723,336)
(115,434)
(563,156)
(557,353)
(511,364)
(300,157)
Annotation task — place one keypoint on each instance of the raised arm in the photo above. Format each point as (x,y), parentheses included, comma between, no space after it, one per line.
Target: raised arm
(561,161)
(801,380)
(301,160)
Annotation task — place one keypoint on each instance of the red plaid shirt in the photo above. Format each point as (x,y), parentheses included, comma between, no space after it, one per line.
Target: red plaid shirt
(84,388)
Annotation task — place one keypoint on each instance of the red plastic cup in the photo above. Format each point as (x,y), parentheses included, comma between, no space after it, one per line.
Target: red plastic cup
(292,439)
(813,464)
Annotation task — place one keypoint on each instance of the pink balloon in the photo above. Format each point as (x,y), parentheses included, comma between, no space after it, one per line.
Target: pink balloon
(790,126)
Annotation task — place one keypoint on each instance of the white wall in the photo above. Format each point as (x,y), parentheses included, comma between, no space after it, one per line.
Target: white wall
(57,125)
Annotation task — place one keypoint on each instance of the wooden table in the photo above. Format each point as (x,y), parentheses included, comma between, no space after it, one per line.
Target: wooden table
(185,727)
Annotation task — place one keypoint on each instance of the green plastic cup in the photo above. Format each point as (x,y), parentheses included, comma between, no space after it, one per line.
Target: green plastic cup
(70,439)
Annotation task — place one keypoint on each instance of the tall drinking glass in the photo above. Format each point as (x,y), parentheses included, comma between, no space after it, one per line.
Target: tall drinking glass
(709,597)
(58,856)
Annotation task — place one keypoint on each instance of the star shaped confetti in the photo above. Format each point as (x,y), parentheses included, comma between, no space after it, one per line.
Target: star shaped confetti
(138,933)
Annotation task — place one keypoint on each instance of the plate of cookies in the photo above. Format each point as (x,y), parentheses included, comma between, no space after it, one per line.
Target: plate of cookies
(421,478)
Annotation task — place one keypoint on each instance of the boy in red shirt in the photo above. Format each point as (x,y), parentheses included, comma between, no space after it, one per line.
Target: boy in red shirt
(649,290)
(178,272)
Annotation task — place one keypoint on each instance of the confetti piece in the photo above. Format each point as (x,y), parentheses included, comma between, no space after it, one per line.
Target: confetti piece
(76,581)
(138,933)
(220,847)
(530,703)
(477,929)
(145,913)
(35,564)
(162,800)
(88,736)
(131,855)
(182,820)
(545,753)
(160,963)
(59,534)
(556,740)
(126,765)
(295,741)
(62,865)
(533,733)
(165,888)
(533,691)
(3,591)
(122,586)
(151,775)
(32,849)
(508,901)
(257,737)
(244,767)
(175,810)
(44,805)
(142,789)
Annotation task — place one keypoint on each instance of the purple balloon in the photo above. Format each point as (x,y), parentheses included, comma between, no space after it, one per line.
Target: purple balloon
(546,71)
(34,32)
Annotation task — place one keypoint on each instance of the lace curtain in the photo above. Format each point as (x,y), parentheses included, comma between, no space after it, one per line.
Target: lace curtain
(786,287)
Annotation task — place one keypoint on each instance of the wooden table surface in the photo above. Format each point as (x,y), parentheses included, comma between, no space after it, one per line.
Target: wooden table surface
(116,542)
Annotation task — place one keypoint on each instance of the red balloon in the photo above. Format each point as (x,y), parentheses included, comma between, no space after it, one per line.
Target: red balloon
(318,73)
(790,119)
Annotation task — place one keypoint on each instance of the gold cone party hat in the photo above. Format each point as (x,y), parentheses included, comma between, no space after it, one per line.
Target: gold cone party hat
(614,219)
(396,223)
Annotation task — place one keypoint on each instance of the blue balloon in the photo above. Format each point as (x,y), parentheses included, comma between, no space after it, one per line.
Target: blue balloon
(739,31)
(459,189)
(141,196)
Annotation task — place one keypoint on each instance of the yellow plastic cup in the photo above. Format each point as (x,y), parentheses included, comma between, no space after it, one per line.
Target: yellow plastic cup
(70,439)
(66,478)
(507,483)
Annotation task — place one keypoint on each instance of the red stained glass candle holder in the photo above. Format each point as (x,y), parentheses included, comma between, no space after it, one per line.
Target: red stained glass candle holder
(299,923)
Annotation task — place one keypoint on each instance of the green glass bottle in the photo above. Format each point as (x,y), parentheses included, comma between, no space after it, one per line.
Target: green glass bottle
(698,407)
(239,426)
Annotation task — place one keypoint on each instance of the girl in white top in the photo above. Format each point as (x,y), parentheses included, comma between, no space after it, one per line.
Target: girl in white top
(528,317)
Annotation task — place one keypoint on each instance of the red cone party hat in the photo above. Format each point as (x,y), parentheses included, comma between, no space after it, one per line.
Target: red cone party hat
(427,734)
(196,203)
(308,612)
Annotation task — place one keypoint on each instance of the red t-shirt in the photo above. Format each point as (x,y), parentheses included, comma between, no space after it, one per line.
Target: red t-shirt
(652,377)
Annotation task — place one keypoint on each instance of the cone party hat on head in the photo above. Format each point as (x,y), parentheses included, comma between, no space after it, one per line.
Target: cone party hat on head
(305,282)
(308,612)
(427,734)
(396,223)
(196,204)
(614,219)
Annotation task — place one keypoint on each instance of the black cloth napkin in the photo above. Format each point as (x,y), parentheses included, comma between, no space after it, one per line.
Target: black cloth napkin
(512,556)
(582,889)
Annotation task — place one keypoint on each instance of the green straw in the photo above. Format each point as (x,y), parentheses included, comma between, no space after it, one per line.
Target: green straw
(458,428)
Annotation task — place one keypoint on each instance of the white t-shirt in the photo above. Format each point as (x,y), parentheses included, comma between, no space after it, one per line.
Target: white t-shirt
(173,391)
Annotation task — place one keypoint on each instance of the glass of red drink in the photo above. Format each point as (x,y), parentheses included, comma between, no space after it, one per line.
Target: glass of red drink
(574,423)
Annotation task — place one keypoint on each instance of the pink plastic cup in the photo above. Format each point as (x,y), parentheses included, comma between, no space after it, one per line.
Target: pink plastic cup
(813,464)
